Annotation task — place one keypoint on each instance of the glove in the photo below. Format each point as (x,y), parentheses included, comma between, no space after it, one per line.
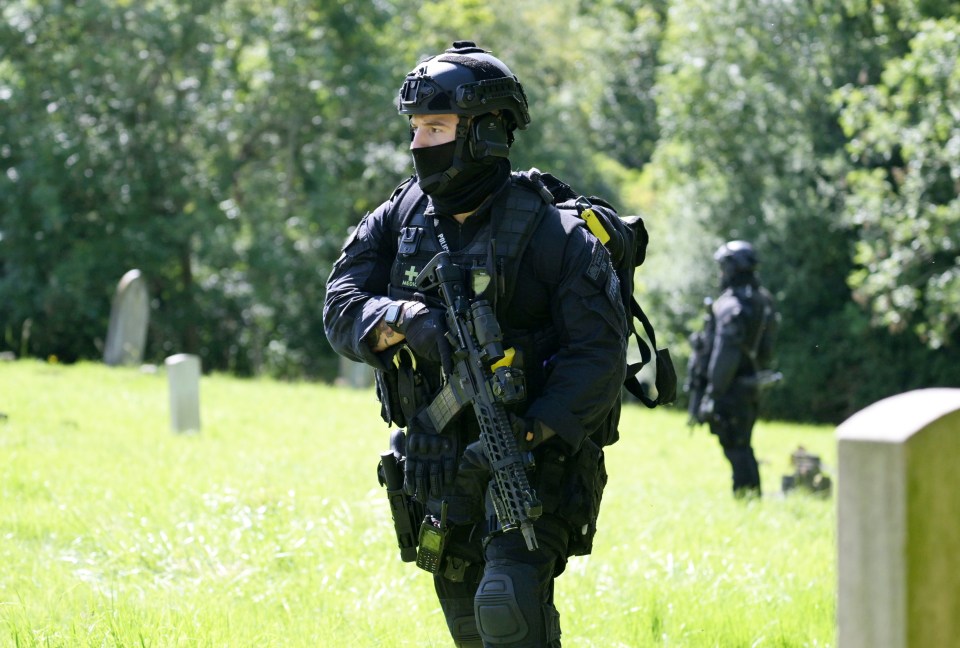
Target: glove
(706,412)
(429,465)
(423,328)
(528,432)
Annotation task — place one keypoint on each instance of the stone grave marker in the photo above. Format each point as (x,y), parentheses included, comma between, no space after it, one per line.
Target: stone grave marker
(129,316)
(898,523)
(183,377)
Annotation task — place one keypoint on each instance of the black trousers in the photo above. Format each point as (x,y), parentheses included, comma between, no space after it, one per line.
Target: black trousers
(733,425)
(507,601)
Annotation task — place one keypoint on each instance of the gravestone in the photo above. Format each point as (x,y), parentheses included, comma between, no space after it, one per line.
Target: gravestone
(183,377)
(898,523)
(129,316)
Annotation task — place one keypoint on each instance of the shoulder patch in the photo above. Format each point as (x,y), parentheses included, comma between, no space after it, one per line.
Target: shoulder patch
(599,265)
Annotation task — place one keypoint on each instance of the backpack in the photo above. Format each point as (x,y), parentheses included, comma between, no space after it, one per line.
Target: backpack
(626,239)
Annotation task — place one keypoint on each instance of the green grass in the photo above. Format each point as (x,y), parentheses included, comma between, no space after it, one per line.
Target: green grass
(268,527)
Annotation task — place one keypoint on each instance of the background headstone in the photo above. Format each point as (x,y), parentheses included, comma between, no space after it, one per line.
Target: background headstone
(898,523)
(183,376)
(129,316)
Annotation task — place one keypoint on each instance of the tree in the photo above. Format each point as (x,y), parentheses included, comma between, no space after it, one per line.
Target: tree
(904,194)
(201,142)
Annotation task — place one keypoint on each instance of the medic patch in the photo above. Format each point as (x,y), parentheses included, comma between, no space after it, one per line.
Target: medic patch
(410,277)
(599,265)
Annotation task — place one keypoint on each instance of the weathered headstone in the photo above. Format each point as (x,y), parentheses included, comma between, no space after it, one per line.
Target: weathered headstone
(183,377)
(129,316)
(898,523)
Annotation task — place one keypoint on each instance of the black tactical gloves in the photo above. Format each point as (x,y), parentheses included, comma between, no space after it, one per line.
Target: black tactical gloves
(430,464)
(423,327)
(707,410)
(528,432)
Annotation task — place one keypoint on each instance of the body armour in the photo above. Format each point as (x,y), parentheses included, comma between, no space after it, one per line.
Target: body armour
(488,262)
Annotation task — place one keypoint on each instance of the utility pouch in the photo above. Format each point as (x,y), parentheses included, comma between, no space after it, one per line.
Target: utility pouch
(551,470)
(404,510)
(584,485)
(388,393)
(666,380)
(413,392)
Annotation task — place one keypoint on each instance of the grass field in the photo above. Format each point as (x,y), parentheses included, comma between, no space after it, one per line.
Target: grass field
(268,527)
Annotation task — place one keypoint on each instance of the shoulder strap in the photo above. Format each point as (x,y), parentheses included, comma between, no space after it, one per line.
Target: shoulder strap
(517,213)
(666,380)
(409,201)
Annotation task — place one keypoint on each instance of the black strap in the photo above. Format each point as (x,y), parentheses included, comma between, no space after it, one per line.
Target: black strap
(409,202)
(517,214)
(631,382)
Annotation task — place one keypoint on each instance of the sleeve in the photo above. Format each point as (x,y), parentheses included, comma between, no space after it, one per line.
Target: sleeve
(585,376)
(727,346)
(356,296)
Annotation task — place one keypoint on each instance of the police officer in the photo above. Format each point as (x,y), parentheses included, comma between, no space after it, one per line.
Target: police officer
(739,338)
(556,298)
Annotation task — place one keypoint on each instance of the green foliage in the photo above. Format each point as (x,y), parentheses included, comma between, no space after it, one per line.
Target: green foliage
(200,143)
(751,148)
(268,528)
(225,148)
(904,199)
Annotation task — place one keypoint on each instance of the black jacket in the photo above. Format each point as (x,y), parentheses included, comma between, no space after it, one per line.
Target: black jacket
(565,289)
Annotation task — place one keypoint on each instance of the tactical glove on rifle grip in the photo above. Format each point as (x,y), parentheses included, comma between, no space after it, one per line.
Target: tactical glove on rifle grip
(528,432)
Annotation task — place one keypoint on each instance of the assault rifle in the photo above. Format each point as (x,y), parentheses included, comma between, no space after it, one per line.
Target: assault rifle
(477,344)
(761,380)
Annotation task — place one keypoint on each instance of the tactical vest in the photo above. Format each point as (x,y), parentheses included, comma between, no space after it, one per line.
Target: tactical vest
(755,313)
(488,261)
(515,213)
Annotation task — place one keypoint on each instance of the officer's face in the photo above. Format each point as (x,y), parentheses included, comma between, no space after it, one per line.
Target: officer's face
(432,130)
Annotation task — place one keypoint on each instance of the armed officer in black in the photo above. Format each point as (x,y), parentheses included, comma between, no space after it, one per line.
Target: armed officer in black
(556,297)
(738,345)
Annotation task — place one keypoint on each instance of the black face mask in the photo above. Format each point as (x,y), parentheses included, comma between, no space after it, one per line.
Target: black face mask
(467,189)
(430,162)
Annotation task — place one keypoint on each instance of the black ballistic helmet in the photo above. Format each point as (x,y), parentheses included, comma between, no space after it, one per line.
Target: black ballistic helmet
(737,256)
(465,80)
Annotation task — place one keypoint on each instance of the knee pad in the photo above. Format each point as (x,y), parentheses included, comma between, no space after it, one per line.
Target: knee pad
(456,600)
(463,630)
(509,607)
(498,613)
